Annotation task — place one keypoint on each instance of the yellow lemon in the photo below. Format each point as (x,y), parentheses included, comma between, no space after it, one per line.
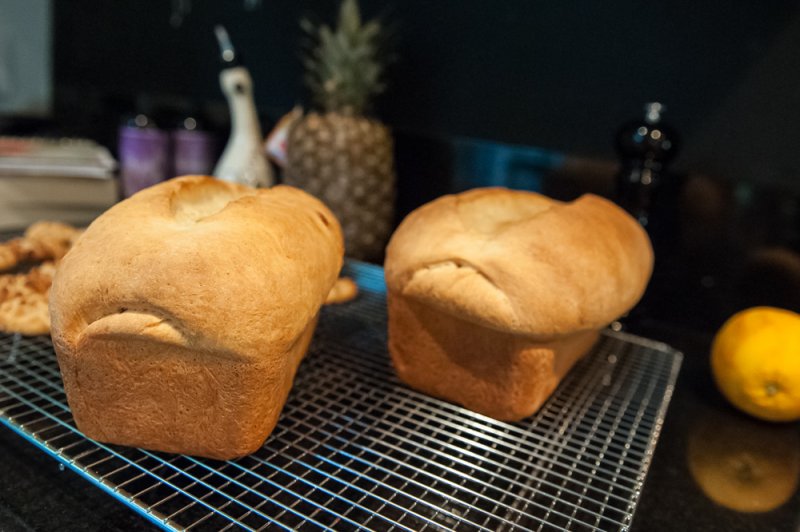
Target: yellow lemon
(755,359)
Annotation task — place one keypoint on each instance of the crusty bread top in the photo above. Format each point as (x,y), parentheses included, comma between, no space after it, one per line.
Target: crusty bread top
(201,263)
(521,262)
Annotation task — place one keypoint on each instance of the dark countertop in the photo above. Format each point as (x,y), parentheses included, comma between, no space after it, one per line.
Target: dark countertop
(721,245)
(701,426)
(722,259)
(35,494)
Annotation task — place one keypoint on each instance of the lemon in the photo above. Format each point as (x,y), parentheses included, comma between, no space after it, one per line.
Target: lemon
(755,359)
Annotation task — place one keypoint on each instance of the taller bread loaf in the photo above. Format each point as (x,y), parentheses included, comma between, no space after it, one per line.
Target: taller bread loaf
(180,316)
(494,294)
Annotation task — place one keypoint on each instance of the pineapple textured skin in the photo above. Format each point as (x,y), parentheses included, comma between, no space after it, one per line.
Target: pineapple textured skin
(340,155)
(348,163)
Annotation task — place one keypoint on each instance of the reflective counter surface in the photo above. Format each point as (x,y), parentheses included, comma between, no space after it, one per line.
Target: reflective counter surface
(729,246)
(713,468)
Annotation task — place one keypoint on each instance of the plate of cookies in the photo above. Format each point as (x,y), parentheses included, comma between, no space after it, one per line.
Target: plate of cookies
(27,267)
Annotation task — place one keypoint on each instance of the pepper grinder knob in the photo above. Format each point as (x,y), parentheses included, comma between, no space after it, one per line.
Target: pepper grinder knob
(645,147)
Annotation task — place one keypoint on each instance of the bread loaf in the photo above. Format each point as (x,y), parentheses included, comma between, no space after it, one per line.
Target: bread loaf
(182,313)
(494,294)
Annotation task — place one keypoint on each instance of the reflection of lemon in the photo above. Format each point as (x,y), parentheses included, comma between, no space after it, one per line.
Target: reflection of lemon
(755,359)
(744,465)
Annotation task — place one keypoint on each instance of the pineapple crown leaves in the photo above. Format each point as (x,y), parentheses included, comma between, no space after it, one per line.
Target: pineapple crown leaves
(345,65)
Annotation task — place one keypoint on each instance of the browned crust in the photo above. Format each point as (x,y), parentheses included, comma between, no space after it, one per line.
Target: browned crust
(503,376)
(163,397)
(343,291)
(520,262)
(192,300)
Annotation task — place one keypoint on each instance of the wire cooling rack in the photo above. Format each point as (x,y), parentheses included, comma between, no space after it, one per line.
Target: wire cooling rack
(356,449)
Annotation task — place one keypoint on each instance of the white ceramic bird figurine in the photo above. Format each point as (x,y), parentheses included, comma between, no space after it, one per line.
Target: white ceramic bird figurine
(243,160)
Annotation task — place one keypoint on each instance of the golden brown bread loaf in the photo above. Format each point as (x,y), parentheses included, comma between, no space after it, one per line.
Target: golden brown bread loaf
(494,294)
(181,314)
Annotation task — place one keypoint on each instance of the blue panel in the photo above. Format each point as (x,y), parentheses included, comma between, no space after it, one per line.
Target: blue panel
(491,164)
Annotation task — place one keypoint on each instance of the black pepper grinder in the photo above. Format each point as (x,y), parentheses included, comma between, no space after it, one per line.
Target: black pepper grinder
(645,148)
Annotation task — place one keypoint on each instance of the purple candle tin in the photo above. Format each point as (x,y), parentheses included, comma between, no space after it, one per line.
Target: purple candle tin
(143,157)
(194,152)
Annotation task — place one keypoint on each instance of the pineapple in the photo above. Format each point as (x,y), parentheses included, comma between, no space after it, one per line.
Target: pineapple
(339,154)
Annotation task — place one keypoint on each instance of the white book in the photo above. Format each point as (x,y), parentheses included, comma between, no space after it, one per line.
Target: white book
(27,199)
(55,157)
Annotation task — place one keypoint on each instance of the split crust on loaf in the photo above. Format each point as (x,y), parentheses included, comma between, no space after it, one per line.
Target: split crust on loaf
(181,314)
(520,262)
(495,294)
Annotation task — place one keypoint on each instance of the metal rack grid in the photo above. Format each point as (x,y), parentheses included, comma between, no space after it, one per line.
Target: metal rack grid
(355,449)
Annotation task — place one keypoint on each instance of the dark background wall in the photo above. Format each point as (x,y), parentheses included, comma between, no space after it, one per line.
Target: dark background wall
(514,92)
(560,75)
